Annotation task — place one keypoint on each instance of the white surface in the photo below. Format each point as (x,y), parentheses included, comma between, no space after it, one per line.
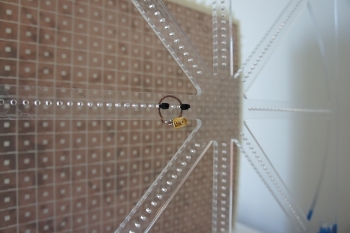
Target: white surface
(241,228)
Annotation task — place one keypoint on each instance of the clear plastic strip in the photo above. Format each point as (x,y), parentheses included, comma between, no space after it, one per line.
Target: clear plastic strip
(223,187)
(332,91)
(262,109)
(169,181)
(259,56)
(261,163)
(222,39)
(29,102)
(174,40)
(336,61)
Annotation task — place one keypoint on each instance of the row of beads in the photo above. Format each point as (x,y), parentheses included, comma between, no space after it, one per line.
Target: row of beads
(80,104)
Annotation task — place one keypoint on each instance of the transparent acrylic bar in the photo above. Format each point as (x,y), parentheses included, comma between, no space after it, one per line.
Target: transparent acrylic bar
(223,61)
(66,103)
(258,57)
(206,104)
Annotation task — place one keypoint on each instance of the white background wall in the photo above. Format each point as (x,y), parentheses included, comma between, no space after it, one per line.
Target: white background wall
(296,73)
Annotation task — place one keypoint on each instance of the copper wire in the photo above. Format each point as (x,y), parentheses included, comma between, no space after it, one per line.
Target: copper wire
(160,101)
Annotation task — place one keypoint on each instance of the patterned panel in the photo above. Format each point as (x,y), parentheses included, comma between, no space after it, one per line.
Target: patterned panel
(86,175)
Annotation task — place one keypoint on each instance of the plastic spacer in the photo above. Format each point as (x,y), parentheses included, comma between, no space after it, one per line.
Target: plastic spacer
(163,106)
(184,106)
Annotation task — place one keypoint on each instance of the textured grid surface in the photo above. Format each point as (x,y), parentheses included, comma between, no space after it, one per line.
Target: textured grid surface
(86,175)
